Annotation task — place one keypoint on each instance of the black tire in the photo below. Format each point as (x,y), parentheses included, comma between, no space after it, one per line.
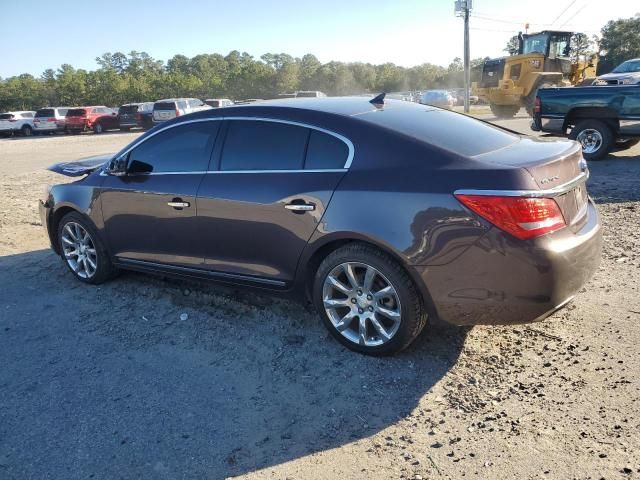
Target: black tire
(530,100)
(625,144)
(98,128)
(591,130)
(104,270)
(504,111)
(413,313)
(26,131)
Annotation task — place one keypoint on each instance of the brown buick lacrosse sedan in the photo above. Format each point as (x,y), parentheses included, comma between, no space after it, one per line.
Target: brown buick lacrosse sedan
(383,213)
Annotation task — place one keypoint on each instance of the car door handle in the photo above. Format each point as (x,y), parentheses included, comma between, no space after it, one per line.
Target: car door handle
(300,207)
(179,204)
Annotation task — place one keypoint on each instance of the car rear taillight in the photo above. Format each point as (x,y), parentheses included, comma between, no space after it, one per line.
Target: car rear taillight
(177,112)
(536,105)
(522,217)
(52,119)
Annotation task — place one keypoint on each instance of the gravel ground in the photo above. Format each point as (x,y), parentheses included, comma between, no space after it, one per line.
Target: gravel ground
(110,382)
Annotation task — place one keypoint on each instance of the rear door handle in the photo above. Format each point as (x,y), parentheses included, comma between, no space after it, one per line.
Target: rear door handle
(176,203)
(300,207)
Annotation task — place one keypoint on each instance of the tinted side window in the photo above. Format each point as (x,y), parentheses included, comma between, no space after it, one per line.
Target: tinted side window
(185,148)
(27,115)
(257,145)
(325,151)
(182,104)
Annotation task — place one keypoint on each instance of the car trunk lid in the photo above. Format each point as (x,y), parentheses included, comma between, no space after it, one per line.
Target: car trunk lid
(557,169)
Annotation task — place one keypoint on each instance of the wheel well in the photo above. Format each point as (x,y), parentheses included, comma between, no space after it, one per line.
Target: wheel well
(324,251)
(608,115)
(54,222)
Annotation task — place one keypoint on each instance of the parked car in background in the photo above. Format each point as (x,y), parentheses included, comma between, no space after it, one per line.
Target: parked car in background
(97,118)
(310,94)
(437,98)
(627,73)
(144,115)
(128,116)
(50,120)
(218,102)
(602,119)
(382,217)
(16,123)
(170,108)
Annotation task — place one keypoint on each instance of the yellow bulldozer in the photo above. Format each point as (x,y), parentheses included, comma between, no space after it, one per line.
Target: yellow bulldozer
(543,60)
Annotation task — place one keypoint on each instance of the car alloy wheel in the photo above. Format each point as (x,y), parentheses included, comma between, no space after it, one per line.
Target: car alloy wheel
(362,304)
(590,139)
(79,250)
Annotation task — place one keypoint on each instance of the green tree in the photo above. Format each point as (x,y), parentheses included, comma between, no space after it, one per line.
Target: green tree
(619,41)
(513,46)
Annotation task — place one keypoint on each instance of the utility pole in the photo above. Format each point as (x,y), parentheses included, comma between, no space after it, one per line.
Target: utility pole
(462,9)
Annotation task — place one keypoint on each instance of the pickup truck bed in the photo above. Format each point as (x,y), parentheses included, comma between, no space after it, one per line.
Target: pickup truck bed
(600,118)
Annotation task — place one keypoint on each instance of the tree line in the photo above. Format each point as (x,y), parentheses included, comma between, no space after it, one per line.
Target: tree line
(135,77)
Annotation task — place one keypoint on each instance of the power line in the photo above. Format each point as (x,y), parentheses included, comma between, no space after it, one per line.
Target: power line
(564,11)
(575,14)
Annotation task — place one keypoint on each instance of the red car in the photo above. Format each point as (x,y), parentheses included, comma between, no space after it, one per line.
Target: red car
(98,118)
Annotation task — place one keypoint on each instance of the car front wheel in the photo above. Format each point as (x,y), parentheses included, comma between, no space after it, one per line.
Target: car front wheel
(82,250)
(367,301)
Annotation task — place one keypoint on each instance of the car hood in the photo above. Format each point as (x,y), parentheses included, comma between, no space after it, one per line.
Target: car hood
(80,167)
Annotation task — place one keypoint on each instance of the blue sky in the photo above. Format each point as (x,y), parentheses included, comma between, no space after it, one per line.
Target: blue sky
(45,34)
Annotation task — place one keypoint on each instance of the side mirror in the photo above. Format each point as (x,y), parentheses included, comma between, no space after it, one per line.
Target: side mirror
(136,166)
(117,167)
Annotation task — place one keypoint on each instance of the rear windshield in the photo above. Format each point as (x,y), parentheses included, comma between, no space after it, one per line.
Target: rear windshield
(165,106)
(6,116)
(76,112)
(125,109)
(213,103)
(46,112)
(445,129)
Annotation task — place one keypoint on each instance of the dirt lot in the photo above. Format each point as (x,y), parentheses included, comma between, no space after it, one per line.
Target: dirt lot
(109,382)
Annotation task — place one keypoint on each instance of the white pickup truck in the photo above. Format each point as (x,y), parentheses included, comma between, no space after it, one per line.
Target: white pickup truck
(16,123)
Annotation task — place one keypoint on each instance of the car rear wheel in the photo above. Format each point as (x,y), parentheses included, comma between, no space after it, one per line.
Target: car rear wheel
(97,128)
(82,250)
(504,111)
(596,138)
(26,131)
(367,301)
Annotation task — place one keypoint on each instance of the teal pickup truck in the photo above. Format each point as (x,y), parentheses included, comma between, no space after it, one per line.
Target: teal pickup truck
(601,118)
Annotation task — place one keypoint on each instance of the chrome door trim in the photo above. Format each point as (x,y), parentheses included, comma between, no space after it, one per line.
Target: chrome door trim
(548,193)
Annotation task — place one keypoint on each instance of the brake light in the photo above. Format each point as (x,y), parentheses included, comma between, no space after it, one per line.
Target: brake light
(536,105)
(177,112)
(52,119)
(522,217)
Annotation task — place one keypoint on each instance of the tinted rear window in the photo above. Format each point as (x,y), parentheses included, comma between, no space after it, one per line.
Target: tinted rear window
(76,112)
(325,151)
(6,116)
(127,109)
(165,106)
(213,103)
(449,130)
(46,112)
(256,145)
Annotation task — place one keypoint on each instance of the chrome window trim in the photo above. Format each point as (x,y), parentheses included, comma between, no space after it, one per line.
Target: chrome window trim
(548,193)
(344,139)
(225,172)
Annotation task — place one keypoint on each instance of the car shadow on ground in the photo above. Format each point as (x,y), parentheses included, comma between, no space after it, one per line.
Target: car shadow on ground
(151,378)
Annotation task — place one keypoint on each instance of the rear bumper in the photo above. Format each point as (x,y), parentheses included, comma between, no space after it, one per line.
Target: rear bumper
(548,125)
(501,280)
